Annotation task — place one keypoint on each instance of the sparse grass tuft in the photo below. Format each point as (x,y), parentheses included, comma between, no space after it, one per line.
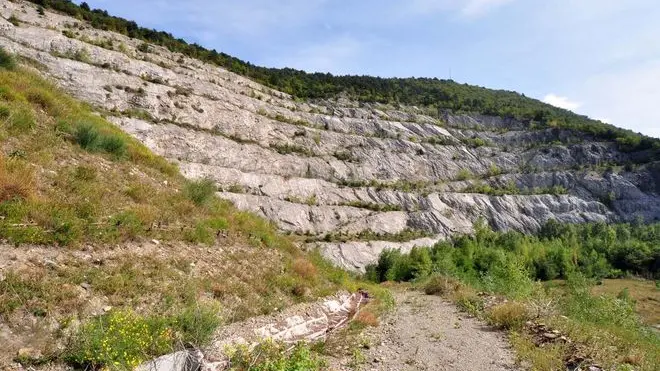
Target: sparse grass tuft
(16,180)
(510,315)
(441,285)
(200,191)
(304,268)
(270,356)
(7,60)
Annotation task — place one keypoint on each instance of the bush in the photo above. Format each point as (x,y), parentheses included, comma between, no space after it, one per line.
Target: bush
(511,315)
(464,174)
(200,191)
(16,180)
(7,60)
(197,324)
(441,285)
(120,339)
(21,121)
(304,268)
(86,135)
(114,145)
(271,356)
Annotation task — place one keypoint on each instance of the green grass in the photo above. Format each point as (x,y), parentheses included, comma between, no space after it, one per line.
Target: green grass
(604,325)
(69,178)
(269,356)
(200,191)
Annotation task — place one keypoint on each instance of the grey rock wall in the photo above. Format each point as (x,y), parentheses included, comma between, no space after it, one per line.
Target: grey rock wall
(353,178)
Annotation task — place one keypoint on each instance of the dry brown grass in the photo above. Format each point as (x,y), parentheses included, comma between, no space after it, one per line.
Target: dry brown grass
(441,285)
(16,180)
(367,318)
(644,292)
(510,315)
(304,268)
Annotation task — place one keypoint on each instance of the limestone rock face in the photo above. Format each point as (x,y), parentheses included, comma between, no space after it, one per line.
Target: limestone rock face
(354,178)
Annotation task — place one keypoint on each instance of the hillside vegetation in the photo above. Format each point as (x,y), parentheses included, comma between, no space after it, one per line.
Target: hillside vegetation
(605,328)
(109,254)
(430,92)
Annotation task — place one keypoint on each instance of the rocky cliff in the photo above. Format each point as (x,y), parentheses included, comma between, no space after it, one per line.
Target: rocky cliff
(349,178)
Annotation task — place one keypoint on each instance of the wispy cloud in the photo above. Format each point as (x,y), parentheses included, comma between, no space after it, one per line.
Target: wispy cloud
(561,102)
(468,9)
(477,8)
(335,55)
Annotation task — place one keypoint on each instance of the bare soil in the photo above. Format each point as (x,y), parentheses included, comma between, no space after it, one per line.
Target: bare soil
(428,333)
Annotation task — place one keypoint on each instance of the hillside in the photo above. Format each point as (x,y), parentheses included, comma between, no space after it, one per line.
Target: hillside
(348,175)
(98,231)
(114,140)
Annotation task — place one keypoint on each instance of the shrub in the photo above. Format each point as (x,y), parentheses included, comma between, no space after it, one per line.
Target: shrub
(120,339)
(200,191)
(441,285)
(468,301)
(13,19)
(271,356)
(304,268)
(511,315)
(114,145)
(126,225)
(493,170)
(21,120)
(366,318)
(86,135)
(464,174)
(7,60)
(196,324)
(16,180)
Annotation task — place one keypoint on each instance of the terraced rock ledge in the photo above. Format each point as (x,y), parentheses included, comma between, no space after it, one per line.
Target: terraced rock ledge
(350,178)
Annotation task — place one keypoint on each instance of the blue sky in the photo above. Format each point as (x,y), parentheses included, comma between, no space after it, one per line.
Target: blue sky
(595,57)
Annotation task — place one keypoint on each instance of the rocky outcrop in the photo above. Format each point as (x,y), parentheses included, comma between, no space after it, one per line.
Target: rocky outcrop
(302,323)
(352,178)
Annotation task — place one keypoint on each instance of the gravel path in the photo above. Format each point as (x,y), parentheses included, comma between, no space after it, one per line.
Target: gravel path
(428,333)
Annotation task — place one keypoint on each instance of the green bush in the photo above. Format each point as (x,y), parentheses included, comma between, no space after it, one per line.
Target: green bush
(197,324)
(124,339)
(7,60)
(271,356)
(86,135)
(200,191)
(509,262)
(120,340)
(21,120)
(114,145)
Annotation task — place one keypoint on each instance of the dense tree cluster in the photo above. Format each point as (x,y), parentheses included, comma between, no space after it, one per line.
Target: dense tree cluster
(430,92)
(595,250)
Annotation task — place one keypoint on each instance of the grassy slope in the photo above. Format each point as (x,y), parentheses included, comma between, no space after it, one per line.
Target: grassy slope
(492,276)
(81,202)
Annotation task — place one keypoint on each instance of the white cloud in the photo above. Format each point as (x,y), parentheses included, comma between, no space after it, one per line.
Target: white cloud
(468,9)
(561,102)
(477,8)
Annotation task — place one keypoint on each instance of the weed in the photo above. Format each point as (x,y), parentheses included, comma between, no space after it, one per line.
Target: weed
(200,191)
(510,315)
(441,285)
(120,339)
(7,60)
(271,356)
(304,268)
(13,19)
(86,135)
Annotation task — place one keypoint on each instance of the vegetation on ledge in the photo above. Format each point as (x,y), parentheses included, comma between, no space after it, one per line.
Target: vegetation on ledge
(127,259)
(430,92)
(478,272)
